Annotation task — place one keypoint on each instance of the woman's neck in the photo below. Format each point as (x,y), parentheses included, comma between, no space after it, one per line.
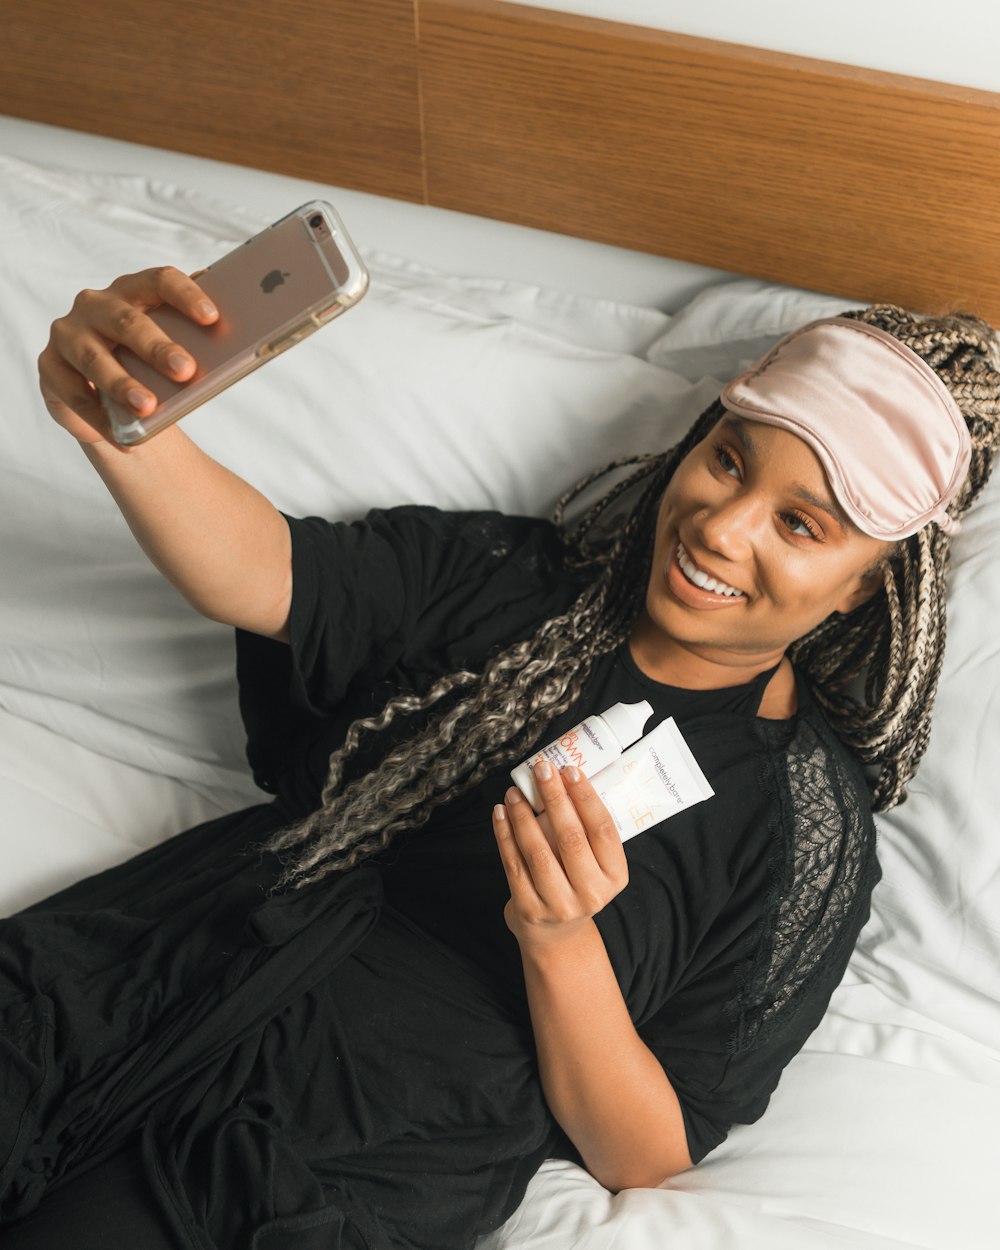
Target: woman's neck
(663,660)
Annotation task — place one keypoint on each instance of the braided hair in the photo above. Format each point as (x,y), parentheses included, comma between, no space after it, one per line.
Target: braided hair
(874,671)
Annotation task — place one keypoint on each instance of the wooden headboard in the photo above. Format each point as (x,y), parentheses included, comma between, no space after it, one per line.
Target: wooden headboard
(861,183)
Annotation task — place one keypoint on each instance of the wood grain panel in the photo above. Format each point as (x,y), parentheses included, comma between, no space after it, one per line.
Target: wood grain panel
(866,184)
(322,89)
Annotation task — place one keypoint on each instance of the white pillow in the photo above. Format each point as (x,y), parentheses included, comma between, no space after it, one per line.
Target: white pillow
(934,937)
(722,330)
(603,324)
(460,392)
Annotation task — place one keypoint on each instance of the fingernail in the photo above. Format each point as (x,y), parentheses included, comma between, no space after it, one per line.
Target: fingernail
(513,795)
(543,769)
(177,362)
(571,772)
(205,309)
(500,812)
(137,400)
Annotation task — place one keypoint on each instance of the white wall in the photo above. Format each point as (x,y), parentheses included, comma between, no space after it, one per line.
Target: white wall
(952,42)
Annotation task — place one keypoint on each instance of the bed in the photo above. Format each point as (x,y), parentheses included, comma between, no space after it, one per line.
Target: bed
(491,363)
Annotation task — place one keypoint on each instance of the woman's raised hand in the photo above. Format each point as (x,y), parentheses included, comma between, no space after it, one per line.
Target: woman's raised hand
(562,867)
(78,359)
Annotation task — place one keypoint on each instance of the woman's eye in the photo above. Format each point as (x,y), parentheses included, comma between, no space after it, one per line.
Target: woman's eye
(799,525)
(725,461)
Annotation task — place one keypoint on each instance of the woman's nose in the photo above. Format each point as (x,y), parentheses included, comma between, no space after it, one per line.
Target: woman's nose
(729,527)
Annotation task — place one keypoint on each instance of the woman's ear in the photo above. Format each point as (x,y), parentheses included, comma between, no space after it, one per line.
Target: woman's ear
(868,585)
(870,581)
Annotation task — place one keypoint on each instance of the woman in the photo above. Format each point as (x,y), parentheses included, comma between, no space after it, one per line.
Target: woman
(341,1018)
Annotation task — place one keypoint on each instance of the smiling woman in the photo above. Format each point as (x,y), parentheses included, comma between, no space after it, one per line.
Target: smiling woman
(293,1006)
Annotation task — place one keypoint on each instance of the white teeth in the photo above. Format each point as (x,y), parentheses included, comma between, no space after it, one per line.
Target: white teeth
(701,579)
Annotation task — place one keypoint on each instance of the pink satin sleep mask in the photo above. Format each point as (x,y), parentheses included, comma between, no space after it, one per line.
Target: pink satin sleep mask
(885,427)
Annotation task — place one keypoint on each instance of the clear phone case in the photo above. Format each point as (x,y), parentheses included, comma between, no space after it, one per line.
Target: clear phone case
(273,291)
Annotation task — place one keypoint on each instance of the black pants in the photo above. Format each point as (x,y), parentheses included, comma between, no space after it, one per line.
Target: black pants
(110,1207)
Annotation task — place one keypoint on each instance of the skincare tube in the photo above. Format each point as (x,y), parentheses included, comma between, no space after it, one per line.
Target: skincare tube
(656,778)
(590,745)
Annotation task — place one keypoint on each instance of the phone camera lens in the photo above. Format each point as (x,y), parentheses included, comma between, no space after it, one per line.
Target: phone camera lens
(316,220)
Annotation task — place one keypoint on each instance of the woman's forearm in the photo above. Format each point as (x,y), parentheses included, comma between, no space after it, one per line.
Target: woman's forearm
(224,546)
(602,1083)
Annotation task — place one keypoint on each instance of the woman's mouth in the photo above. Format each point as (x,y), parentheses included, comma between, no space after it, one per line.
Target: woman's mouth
(695,587)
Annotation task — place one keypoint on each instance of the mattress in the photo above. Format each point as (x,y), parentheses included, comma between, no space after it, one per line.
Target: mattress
(474,383)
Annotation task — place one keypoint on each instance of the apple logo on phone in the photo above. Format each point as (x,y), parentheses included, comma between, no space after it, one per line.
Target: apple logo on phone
(272,280)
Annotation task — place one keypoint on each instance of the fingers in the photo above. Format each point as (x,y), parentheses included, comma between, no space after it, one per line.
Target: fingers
(536,864)
(90,360)
(80,353)
(166,284)
(70,400)
(118,315)
(575,870)
(582,827)
(519,876)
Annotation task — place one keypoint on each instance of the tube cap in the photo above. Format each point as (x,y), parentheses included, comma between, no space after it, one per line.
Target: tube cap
(627,720)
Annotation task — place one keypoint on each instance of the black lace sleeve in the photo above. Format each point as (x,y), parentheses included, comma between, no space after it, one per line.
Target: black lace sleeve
(823,872)
(728,1031)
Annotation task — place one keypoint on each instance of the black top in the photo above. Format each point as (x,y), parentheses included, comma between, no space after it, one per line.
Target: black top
(361,1049)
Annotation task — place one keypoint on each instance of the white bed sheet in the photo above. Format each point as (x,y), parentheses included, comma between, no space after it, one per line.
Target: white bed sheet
(882,1132)
(68,812)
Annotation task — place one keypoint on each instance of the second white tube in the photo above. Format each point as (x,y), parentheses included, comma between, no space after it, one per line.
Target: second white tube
(654,779)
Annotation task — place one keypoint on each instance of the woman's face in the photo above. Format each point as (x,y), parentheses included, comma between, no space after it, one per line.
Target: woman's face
(751,507)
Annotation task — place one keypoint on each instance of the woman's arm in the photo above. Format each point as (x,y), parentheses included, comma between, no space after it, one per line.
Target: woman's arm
(602,1083)
(224,546)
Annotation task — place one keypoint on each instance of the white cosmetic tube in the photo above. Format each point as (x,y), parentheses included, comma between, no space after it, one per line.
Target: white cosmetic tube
(589,746)
(656,778)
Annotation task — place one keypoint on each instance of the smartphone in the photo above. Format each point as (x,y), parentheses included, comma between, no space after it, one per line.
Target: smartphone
(271,292)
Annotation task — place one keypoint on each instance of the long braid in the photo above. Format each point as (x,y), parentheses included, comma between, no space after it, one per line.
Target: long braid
(896,641)
(893,644)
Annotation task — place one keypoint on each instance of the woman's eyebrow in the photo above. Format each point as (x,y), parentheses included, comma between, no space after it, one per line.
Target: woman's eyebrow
(829,506)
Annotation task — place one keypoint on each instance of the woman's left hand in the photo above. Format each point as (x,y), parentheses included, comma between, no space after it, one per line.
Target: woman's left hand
(563,872)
